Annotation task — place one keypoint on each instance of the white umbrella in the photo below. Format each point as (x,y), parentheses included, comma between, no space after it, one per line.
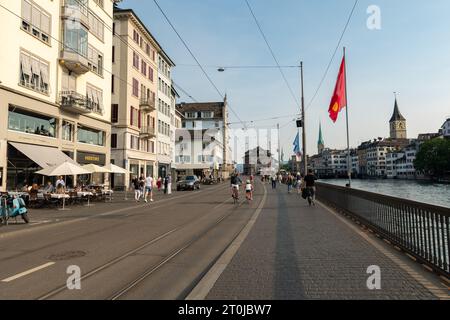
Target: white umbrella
(93,168)
(116,169)
(64,169)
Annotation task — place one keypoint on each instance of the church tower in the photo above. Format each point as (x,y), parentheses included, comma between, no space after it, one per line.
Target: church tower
(397,124)
(320,143)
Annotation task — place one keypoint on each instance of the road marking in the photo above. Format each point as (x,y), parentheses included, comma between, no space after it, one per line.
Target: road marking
(438,292)
(205,285)
(25,273)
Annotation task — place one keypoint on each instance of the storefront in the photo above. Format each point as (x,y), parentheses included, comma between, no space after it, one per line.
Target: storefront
(99,159)
(25,159)
(163,170)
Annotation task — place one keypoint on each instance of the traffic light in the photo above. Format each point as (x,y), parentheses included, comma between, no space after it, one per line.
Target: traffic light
(299,123)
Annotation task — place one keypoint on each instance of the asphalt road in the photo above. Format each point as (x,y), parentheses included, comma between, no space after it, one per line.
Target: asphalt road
(124,249)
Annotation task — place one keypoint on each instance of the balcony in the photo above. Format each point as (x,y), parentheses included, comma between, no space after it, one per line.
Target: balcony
(73,61)
(75,12)
(74,102)
(147,133)
(147,104)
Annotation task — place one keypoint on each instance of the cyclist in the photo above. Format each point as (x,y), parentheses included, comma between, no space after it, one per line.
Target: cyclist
(235,182)
(310,179)
(249,190)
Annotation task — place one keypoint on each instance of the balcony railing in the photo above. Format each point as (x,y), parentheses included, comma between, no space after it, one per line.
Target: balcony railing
(74,102)
(419,229)
(147,104)
(148,132)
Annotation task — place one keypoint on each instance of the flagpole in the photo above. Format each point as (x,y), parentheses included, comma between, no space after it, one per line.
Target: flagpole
(305,164)
(349,168)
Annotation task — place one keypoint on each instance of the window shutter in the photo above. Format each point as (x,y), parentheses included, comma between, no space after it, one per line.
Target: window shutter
(45,23)
(139,119)
(44,73)
(131,116)
(35,67)
(36,17)
(25,62)
(26,11)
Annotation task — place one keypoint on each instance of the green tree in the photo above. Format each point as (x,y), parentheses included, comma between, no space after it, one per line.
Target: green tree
(433,157)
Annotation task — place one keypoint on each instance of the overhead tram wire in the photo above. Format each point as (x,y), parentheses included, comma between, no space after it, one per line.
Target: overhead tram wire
(273,54)
(333,55)
(193,56)
(240,67)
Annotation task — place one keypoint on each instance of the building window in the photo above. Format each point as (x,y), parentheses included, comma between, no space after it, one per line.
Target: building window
(90,136)
(34,73)
(191,115)
(135,60)
(96,26)
(99,3)
(68,129)
(36,21)
(134,143)
(95,60)
(112,83)
(75,37)
(94,99)
(208,114)
(150,73)
(144,68)
(114,113)
(135,88)
(29,122)
(114,140)
(135,36)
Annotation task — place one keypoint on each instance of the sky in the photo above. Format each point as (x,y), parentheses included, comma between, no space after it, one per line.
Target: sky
(410,55)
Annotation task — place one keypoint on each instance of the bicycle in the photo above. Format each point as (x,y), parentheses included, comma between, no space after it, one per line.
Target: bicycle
(235,193)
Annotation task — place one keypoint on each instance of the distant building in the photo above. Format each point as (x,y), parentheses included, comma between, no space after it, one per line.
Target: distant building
(202,143)
(397,124)
(257,160)
(445,129)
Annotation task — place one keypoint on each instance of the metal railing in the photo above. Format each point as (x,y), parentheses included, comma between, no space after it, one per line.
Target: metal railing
(420,229)
(148,130)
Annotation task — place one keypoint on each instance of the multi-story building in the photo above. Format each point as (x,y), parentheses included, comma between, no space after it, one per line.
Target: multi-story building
(445,129)
(259,161)
(166,100)
(134,111)
(202,143)
(55,86)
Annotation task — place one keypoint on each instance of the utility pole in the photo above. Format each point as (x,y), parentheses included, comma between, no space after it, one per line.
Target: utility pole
(279,148)
(349,162)
(305,160)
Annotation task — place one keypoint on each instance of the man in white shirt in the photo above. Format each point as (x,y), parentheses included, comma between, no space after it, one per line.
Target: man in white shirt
(148,188)
(60,185)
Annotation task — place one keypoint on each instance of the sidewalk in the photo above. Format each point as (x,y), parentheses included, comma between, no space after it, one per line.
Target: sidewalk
(300,252)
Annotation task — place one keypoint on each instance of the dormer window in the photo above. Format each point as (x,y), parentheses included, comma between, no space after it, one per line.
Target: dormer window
(191,115)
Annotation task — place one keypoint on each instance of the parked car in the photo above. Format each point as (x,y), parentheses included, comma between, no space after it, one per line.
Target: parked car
(188,183)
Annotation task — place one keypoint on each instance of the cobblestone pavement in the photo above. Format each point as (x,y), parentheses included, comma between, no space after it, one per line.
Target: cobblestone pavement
(300,252)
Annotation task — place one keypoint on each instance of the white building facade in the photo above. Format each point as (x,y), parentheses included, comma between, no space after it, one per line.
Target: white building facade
(166,115)
(55,88)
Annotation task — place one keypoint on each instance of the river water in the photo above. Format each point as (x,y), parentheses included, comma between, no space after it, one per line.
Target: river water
(421,191)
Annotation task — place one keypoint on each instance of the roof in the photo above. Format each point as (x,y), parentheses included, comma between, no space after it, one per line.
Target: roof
(131,12)
(216,107)
(397,116)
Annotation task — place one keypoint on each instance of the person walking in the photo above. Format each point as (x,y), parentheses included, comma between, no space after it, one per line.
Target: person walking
(298,184)
(249,190)
(148,188)
(169,184)
(136,186)
(310,185)
(166,184)
(158,183)
(273,178)
(289,182)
